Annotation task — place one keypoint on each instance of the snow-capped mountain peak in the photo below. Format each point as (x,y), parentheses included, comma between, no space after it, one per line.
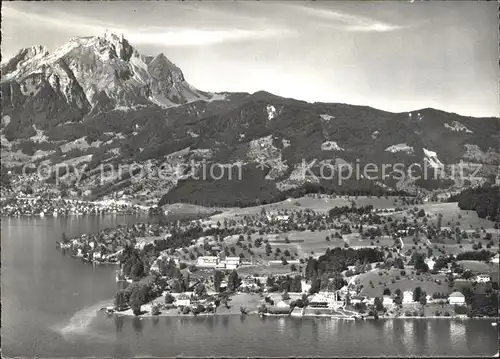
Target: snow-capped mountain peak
(102,67)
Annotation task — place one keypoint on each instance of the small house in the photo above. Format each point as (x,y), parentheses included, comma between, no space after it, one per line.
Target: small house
(407,297)
(386,300)
(430,263)
(183,301)
(456,298)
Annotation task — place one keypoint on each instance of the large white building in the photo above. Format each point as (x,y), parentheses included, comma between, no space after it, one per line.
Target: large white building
(223,262)
(456,298)
(330,296)
(325,300)
(207,261)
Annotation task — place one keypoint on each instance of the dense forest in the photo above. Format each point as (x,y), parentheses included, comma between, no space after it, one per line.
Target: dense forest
(255,190)
(484,200)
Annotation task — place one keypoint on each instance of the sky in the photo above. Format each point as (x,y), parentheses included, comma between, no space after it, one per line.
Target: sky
(395,56)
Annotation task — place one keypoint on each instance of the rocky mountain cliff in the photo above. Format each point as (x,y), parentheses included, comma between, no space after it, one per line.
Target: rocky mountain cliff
(97,100)
(92,73)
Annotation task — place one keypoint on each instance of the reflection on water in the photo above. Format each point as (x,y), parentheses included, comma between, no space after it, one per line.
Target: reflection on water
(155,321)
(457,331)
(444,332)
(297,329)
(118,324)
(408,336)
(398,336)
(331,326)
(388,326)
(420,333)
(183,321)
(281,324)
(202,336)
(211,322)
(314,326)
(138,325)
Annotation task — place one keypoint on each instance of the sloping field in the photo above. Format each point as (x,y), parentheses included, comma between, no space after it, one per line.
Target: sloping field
(307,243)
(476,267)
(407,282)
(322,205)
(451,213)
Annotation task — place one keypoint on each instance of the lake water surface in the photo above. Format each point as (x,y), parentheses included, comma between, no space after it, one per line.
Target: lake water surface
(49,304)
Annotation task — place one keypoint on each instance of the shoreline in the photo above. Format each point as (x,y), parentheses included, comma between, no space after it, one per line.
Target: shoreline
(253,313)
(49,215)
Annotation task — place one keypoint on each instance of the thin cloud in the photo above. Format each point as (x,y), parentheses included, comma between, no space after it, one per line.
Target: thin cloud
(198,37)
(351,22)
(53,19)
(151,35)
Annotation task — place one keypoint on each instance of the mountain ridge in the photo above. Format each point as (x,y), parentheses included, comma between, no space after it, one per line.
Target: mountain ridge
(124,48)
(108,64)
(99,101)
